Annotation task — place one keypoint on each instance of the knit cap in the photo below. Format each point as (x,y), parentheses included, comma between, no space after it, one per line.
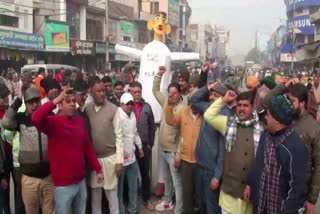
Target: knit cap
(269,81)
(281,109)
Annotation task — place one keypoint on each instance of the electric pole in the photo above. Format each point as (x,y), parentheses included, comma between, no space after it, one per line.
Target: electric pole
(107,33)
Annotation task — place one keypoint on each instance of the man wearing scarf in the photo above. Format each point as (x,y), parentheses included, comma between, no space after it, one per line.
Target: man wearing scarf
(277,181)
(242,134)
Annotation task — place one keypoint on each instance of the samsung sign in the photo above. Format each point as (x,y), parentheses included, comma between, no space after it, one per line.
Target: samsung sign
(302,23)
(296,4)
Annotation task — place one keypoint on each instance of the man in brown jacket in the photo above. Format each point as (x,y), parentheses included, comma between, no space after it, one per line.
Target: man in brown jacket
(309,131)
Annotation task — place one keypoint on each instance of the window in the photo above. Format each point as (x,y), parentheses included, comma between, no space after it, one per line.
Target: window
(94,30)
(25,19)
(154,7)
(9,21)
(127,38)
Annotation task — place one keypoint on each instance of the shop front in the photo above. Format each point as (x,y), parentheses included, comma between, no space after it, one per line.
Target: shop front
(19,48)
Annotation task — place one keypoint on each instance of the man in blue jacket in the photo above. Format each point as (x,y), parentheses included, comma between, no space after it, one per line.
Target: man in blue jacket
(210,148)
(277,180)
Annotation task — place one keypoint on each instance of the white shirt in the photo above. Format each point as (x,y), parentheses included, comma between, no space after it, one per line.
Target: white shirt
(130,135)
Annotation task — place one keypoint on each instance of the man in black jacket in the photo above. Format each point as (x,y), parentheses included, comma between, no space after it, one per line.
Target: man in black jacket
(146,129)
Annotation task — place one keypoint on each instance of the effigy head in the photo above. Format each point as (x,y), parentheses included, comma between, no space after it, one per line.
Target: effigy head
(159,25)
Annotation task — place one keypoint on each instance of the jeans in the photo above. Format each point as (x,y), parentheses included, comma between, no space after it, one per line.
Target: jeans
(38,193)
(209,198)
(130,173)
(72,197)
(173,178)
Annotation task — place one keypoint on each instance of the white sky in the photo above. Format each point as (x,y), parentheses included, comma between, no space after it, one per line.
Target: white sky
(243,18)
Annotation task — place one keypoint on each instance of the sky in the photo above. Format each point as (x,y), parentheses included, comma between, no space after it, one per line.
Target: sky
(243,18)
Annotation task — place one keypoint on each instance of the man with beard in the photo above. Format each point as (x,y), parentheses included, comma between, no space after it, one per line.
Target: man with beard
(183,81)
(309,131)
(242,134)
(277,180)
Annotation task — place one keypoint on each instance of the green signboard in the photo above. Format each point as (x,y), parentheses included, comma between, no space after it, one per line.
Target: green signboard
(57,37)
(127,28)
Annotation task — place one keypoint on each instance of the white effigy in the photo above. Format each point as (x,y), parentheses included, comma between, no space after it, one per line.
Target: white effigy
(152,56)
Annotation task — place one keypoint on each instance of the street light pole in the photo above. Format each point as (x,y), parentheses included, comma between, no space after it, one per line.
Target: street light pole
(107,33)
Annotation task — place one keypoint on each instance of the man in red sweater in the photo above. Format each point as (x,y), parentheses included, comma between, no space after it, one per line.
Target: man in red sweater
(68,148)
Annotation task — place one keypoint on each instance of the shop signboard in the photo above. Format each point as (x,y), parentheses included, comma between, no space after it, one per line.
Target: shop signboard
(101,47)
(173,12)
(57,37)
(79,47)
(20,40)
(302,23)
(127,28)
(287,57)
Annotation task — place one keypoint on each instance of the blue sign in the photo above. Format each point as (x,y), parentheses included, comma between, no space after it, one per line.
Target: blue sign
(20,40)
(297,4)
(302,23)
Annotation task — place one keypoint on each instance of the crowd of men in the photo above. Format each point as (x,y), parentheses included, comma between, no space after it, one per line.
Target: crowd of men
(73,145)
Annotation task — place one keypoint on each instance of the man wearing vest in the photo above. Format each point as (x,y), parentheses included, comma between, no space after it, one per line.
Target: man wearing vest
(242,133)
(37,184)
(106,136)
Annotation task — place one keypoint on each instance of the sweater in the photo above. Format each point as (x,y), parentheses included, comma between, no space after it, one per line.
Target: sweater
(68,145)
(168,135)
(291,156)
(33,144)
(106,131)
(189,128)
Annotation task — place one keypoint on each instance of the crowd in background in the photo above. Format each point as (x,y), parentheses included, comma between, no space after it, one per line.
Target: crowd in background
(228,143)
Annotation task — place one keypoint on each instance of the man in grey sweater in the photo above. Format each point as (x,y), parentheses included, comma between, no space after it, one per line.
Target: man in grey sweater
(107,142)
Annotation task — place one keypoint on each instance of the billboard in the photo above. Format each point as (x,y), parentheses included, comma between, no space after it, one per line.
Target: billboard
(302,23)
(20,40)
(57,37)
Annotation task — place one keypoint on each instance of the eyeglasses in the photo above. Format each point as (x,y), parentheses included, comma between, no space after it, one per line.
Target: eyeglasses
(130,104)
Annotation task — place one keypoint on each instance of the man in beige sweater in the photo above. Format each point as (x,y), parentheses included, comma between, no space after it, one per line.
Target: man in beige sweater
(107,142)
(168,143)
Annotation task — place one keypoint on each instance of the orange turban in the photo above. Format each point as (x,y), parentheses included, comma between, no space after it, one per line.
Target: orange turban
(252,82)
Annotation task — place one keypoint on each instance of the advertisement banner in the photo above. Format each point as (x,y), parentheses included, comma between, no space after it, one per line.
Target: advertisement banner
(20,40)
(57,37)
(297,4)
(82,47)
(173,13)
(302,23)
(287,57)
